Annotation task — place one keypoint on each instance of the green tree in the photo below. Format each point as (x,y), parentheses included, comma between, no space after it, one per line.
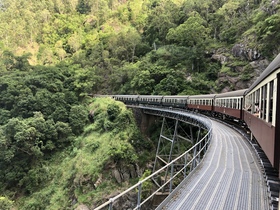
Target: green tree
(5,203)
(78,118)
(83,7)
(268,34)
(193,32)
(163,16)
(124,45)
(142,83)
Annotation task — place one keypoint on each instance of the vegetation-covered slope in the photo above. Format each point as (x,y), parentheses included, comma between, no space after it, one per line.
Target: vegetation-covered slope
(54,53)
(142,46)
(99,163)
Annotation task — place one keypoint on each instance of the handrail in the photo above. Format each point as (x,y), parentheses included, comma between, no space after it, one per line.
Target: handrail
(204,141)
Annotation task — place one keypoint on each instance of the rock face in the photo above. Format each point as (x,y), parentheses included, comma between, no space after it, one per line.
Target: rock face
(237,82)
(259,65)
(241,51)
(123,173)
(239,77)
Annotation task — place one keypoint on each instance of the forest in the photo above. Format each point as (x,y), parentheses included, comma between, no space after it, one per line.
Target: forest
(55,54)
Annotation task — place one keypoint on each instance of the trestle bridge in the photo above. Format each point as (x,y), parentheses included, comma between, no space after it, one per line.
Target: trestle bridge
(221,170)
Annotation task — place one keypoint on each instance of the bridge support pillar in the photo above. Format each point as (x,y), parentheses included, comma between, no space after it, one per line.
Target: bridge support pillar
(175,138)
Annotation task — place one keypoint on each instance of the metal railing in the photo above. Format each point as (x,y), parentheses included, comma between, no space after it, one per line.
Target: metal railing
(178,170)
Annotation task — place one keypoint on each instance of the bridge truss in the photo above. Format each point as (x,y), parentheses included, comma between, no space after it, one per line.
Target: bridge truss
(170,167)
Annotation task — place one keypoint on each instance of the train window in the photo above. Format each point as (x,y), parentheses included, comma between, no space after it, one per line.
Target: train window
(248,103)
(256,99)
(238,102)
(270,105)
(257,96)
(263,101)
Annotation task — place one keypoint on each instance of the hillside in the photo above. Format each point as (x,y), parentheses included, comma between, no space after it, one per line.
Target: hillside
(145,46)
(105,159)
(55,53)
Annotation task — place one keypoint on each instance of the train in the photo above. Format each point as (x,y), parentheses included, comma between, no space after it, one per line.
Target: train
(257,107)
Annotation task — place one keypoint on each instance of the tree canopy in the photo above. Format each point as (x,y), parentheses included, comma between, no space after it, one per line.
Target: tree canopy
(55,54)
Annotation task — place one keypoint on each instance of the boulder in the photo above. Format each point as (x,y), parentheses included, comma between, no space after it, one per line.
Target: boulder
(116,174)
(242,51)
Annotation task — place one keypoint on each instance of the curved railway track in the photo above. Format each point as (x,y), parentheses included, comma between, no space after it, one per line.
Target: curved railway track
(230,177)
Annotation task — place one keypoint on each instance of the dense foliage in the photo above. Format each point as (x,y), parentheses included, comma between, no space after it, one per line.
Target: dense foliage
(53,53)
(138,46)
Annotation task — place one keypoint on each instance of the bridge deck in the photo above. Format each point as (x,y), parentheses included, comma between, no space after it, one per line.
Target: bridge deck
(229,177)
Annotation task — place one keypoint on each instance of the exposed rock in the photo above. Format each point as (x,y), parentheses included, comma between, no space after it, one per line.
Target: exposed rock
(133,172)
(98,182)
(125,175)
(82,207)
(116,174)
(220,58)
(242,51)
(128,201)
(259,66)
(271,7)
(236,78)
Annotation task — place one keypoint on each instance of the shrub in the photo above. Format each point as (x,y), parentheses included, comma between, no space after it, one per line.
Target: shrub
(5,203)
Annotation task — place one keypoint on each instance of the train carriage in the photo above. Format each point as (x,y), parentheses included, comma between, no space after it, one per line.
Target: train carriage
(150,100)
(262,114)
(201,102)
(230,104)
(175,101)
(127,99)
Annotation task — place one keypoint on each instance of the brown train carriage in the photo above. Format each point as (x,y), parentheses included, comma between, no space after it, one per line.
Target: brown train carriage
(263,115)
(230,103)
(201,102)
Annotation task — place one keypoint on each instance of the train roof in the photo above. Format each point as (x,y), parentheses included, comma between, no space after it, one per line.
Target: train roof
(179,96)
(100,95)
(235,93)
(274,65)
(150,96)
(126,96)
(202,96)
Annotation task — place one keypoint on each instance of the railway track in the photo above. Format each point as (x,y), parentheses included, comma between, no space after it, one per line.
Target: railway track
(230,177)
